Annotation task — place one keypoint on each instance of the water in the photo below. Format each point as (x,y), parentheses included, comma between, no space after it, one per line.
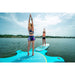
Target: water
(63,47)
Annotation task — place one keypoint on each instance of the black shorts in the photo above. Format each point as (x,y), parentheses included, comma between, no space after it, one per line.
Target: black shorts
(43,38)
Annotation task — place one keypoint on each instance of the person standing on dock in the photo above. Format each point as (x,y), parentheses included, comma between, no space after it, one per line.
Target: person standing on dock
(44,37)
(31,37)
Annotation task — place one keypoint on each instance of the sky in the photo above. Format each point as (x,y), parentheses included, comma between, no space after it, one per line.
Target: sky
(55,24)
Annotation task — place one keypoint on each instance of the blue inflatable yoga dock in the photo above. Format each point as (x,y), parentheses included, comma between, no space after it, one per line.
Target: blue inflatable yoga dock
(39,56)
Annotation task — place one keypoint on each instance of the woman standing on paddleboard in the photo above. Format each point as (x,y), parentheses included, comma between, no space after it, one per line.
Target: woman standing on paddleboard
(44,37)
(31,37)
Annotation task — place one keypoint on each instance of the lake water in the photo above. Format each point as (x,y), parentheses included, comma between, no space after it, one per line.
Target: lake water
(63,47)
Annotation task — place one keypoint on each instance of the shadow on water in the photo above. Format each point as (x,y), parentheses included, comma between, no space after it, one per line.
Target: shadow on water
(22,58)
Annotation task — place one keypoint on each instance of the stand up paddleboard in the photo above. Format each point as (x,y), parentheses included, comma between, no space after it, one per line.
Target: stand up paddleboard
(42,47)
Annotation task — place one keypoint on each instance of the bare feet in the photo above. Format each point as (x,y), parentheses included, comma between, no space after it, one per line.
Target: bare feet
(28,53)
(33,54)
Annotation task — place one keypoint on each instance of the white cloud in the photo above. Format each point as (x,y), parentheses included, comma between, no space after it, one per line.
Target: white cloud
(41,22)
(62,31)
(12,18)
(20,23)
(6,18)
(66,15)
(45,22)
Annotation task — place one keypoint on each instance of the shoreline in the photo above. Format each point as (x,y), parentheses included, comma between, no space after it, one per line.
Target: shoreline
(38,37)
(26,36)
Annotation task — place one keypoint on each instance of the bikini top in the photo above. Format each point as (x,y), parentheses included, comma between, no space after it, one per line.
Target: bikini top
(31,32)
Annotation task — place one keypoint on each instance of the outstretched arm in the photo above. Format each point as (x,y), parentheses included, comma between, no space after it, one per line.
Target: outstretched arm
(28,23)
(32,22)
(29,20)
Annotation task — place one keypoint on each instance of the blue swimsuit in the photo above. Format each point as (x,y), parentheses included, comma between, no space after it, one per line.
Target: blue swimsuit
(31,32)
(31,38)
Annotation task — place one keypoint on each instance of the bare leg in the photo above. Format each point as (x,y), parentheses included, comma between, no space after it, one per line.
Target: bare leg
(45,42)
(28,46)
(32,48)
(42,41)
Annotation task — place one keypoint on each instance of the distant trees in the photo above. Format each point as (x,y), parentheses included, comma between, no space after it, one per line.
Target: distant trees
(26,36)
(13,36)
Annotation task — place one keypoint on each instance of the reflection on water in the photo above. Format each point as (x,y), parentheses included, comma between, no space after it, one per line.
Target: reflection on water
(63,47)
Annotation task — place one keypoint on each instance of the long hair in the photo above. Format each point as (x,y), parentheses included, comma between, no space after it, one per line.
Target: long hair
(30,25)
